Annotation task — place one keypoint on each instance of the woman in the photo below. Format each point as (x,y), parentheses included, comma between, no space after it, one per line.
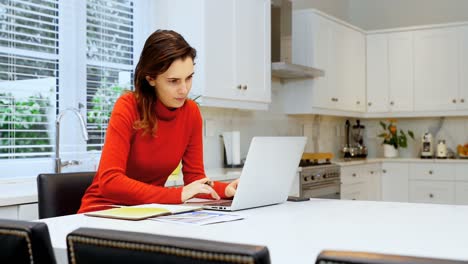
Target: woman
(151,130)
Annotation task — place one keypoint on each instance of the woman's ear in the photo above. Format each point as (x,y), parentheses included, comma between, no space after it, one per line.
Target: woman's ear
(150,80)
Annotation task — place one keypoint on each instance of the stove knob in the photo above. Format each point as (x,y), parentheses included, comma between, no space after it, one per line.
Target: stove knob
(324,176)
(305,178)
(312,178)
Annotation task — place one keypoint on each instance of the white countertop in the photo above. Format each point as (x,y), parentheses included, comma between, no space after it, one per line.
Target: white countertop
(24,190)
(297,232)
(342,162)
(18,191)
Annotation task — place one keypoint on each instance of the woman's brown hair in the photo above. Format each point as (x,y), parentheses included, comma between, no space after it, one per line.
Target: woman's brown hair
(161,49)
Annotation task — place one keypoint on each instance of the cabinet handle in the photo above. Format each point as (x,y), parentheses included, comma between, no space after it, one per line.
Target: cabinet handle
(431,195)
(462,100)
(384,171)
(369,103)
(392,103)
(354,174)
(431,172)
(371,172)
(244,87)
(358,102)
(454,101)
(239,87)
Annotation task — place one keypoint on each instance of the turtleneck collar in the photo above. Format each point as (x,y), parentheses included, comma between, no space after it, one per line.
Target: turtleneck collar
(165,113)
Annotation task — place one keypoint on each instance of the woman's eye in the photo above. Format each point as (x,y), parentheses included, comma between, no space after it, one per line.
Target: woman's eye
(174,81)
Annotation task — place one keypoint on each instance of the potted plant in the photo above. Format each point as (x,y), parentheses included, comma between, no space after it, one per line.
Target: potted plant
(393,139)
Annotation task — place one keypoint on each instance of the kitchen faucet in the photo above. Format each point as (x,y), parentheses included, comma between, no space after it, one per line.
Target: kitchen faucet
(58,162)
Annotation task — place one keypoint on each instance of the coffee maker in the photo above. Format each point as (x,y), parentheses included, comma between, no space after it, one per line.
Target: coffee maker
(354,147)
(427,146)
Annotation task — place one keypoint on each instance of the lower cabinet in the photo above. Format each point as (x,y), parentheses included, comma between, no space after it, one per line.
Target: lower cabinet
(360,182)
(440,192)
(26,212)
(461,193)
(395,182)
(9,212)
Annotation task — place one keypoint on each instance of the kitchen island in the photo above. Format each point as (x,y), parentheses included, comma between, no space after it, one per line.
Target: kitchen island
(295,232)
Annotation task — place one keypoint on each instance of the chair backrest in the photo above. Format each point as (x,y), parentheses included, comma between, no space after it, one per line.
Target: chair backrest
(352,257)
(25,242)
(60,193)
(88,245)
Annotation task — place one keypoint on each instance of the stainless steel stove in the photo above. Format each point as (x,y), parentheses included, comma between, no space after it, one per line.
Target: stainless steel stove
(317,180)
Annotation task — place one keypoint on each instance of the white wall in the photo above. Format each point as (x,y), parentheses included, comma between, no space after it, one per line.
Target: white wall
(380,14)
(336,8)
(453,130)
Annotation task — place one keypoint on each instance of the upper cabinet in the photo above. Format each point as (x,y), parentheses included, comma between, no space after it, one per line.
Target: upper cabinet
(436,56)
(232,38)
(390,72)
(338,48)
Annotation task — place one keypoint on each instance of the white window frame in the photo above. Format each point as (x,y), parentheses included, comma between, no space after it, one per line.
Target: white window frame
(72,87)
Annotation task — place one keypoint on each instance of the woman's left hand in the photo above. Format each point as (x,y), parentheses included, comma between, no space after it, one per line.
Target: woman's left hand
(230,190)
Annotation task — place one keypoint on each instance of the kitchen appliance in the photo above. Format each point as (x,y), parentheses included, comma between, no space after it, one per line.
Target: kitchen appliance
(426,146)
(354,147)
(441,150)
(231,140)
(317,177)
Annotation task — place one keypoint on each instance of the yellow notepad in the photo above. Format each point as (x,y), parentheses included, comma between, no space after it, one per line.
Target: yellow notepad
(140,212)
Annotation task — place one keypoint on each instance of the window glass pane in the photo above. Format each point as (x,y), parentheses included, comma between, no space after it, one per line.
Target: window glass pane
(28,77)
(109,40)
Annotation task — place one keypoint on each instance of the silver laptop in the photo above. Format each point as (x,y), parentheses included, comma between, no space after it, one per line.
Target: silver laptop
(268,173)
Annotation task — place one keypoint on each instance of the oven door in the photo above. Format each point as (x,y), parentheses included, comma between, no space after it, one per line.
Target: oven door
(326,190)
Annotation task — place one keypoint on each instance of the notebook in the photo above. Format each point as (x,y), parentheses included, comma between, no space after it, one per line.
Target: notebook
(269,170)
(140,212)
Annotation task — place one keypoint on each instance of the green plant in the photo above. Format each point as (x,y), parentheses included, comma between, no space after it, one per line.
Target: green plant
(23,122)
(392,136)
(101,104)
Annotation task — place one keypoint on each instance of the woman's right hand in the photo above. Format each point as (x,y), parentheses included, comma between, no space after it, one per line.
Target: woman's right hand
(198,187)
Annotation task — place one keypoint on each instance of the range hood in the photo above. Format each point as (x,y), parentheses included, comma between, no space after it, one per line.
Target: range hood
(284,70)
(281,25)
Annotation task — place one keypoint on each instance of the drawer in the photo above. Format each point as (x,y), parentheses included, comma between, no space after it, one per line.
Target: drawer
(461,172)
(352,174)
(430,171)
(461,193)
(440,192)
(357,191)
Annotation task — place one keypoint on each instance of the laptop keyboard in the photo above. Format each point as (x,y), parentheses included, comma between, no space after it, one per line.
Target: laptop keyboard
(222,203)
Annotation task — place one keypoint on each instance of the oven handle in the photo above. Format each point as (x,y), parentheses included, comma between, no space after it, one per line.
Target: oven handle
(321,185)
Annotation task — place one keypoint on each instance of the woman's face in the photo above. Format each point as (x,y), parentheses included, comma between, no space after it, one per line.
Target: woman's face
(173,86)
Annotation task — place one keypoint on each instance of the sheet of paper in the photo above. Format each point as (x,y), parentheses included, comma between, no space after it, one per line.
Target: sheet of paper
(202,217)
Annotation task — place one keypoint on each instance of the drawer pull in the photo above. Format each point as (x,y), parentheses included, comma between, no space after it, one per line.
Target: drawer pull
(431,172)
(371,172)
(431,195)
(384,171)
(354,174)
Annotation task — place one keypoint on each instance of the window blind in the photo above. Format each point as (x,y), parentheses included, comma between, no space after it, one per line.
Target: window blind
(28,76)
(109,62)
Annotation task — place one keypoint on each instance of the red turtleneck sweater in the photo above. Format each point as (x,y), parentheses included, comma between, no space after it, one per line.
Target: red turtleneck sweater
(134,167)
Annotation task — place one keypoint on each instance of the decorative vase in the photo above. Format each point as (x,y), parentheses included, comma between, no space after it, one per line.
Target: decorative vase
(390,151)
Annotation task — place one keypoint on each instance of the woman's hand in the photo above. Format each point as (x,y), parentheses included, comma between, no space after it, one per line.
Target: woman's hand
(197,187)
(230,190)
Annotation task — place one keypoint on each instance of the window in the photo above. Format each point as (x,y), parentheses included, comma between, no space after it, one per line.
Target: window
(28,77)
(109,62)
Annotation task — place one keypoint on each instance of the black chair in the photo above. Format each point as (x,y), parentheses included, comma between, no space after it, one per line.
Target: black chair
(25,242)
(60,193)
(351,257)
(88,245)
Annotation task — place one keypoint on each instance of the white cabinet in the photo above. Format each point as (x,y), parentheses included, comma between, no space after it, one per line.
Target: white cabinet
(390,72)
(232,39)
(436,58)
(432,183)
(339,49)
(9,212)
(353,183)
(440,192)
(360,182)
(461,188)
(28,212)
(463,89)
(395,182)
